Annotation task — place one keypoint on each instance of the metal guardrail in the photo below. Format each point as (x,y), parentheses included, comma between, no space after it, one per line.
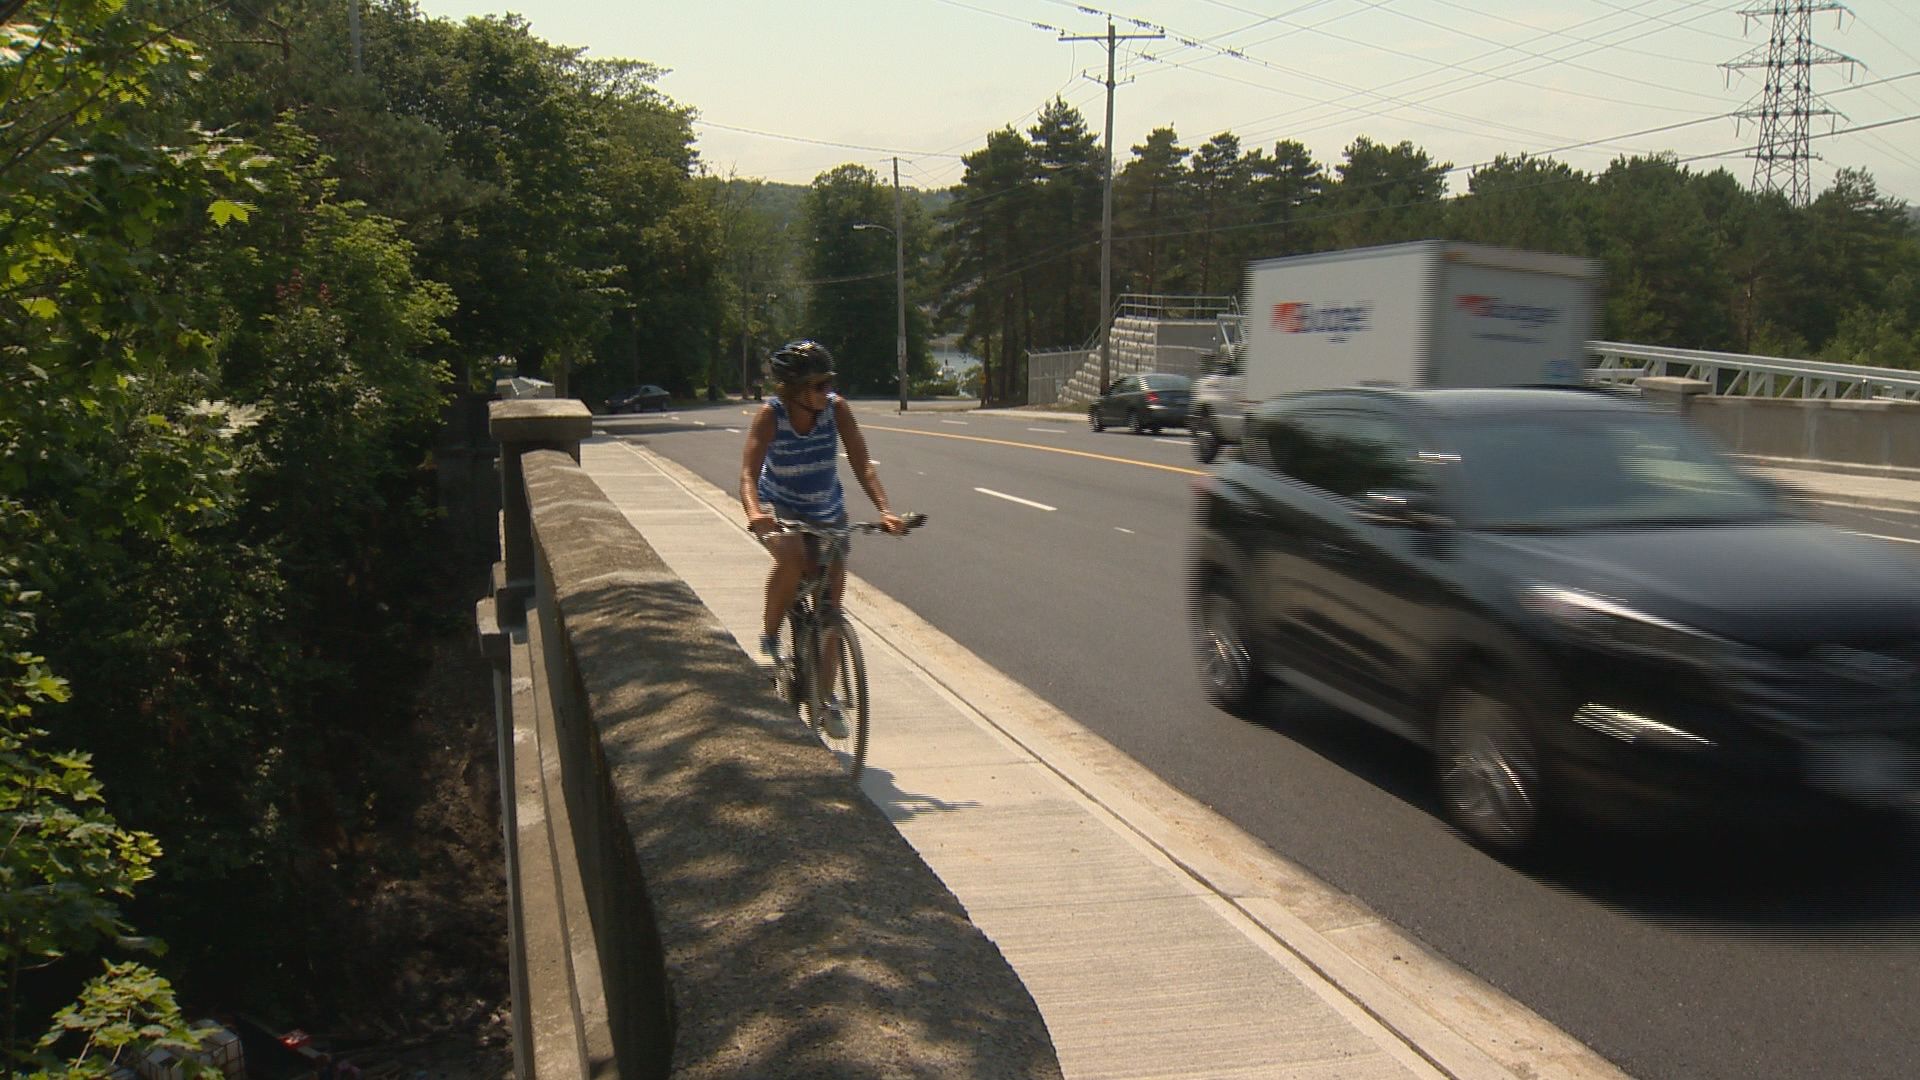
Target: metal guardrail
(1726,374)
(1172,306)
(1744,375)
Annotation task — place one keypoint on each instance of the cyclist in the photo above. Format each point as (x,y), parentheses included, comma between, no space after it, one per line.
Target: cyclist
(790,468)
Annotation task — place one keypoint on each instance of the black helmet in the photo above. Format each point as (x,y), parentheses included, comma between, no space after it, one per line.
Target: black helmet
(797,361)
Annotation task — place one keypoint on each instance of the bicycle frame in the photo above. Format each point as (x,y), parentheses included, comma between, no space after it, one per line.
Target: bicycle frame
(823,641)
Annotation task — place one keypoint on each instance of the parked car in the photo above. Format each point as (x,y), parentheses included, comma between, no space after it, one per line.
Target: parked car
(1572,599)
(1216,411)
(639,399)
(1143,402)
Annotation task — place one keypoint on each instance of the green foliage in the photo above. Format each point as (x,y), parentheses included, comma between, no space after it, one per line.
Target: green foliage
(1064,283)
(1692,259)
(122,1011)
(65,867)
(991,254)
(1146,196)
(759,281)
(851,303)
(1384,195)
(1875,338)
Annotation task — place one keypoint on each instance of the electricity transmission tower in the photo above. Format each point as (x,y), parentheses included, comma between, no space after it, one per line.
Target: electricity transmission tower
(1787,102)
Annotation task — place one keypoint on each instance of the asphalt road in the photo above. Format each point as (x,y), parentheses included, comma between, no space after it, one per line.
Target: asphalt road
(1058,556)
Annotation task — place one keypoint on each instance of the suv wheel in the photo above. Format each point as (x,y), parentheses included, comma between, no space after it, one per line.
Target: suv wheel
(1133,423)
(1094,421)
(1206,441)
(1489,771)
(1231,678)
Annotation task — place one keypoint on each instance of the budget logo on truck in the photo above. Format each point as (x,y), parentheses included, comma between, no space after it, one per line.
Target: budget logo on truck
(1507,321)
(1337,321)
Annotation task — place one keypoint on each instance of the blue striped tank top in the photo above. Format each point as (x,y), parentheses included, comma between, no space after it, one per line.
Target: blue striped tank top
(801,476)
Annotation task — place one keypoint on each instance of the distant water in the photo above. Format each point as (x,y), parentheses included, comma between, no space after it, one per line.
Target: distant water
(958,361)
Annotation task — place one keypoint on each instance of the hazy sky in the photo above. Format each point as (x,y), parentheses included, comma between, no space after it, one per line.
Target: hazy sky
(786,89)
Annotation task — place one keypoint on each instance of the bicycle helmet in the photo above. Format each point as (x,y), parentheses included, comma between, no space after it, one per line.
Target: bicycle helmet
(797,361)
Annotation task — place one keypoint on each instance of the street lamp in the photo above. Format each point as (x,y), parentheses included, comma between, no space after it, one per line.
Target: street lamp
(900,302)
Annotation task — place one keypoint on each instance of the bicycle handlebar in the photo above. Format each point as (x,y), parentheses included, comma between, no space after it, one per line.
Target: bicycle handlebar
(913,521)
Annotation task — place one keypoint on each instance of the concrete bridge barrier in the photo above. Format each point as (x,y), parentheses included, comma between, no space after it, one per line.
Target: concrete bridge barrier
(1880,434)
(698,891)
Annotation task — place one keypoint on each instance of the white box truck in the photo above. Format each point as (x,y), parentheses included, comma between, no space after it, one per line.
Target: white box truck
(1431,313)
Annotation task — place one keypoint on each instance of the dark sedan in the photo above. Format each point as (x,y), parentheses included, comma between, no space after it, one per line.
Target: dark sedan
(1575,601)
(1143,403)
(639,399)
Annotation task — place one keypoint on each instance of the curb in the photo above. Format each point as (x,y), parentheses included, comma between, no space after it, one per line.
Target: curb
(1845,468)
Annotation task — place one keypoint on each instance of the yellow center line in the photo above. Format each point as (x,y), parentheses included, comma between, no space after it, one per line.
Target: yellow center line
(1042,449)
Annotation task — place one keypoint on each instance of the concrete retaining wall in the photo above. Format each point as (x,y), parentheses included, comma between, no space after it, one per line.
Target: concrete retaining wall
(747,913)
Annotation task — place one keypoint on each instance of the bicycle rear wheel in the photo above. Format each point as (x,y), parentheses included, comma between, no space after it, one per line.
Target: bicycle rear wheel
(839,714)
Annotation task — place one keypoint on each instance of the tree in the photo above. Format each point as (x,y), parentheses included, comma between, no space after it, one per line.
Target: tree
(1066,228)
(1216,198)
(100,468)
(1285,186)
(1384,194)
(851,277)
(1537,204)
(657,231)
(64,870)
(991,253)
(1145,197)
(1860,251)
(1667,278)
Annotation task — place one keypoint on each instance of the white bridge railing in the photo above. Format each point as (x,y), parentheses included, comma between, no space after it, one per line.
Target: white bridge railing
(1742,375)
(1726,374)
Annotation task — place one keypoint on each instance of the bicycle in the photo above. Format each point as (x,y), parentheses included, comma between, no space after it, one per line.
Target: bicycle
(835,708)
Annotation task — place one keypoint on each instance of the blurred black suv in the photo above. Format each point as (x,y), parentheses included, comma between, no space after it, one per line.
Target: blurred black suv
(1573,599)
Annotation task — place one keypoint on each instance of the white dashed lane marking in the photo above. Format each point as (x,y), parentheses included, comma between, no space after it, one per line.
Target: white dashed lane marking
(1895,539)
(1015,499)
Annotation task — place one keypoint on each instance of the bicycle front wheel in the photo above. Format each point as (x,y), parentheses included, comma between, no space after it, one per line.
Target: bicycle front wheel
(790,670)
(839,716)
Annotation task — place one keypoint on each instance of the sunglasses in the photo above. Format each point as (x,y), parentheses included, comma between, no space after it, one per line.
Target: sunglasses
(818,384)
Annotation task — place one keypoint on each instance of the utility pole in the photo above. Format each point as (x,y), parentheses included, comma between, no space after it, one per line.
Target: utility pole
(746,331)
(1111,40)
(1780,158)
(900,284)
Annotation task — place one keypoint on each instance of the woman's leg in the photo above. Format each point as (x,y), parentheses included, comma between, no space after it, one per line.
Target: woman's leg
(789,552)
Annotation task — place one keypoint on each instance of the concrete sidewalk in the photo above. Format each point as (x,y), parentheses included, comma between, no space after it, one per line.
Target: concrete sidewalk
(1157,938)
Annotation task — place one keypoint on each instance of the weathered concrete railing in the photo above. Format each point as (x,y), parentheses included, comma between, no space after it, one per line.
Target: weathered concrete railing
(697,890)
(1882,434)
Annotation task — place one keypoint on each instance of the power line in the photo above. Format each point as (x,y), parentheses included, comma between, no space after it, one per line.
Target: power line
(819,142)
